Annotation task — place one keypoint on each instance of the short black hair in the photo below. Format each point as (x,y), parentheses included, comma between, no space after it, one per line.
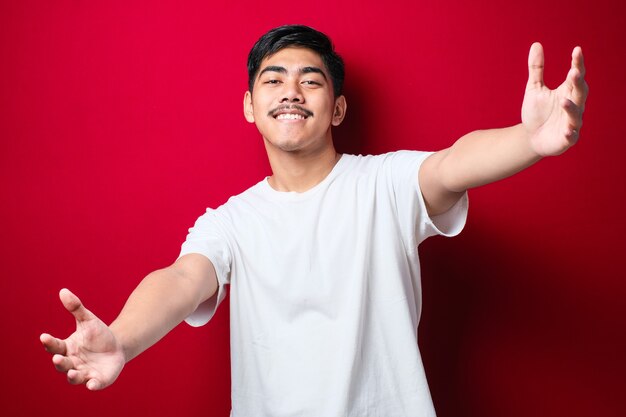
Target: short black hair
(298,36)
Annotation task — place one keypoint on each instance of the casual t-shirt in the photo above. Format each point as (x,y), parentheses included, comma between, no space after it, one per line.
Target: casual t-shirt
(325,292)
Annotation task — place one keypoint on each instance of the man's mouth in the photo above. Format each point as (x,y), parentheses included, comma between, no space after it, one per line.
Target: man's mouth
(290,112)
(290,116)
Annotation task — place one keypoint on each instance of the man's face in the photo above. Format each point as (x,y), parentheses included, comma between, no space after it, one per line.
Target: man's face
(292,103)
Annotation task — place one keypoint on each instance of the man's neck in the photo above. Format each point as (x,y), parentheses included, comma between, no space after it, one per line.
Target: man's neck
(298,172)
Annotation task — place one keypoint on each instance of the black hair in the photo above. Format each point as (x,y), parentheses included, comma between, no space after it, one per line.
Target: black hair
(299,36)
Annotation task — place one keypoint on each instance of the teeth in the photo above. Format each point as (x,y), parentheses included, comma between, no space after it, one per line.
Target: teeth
(288,116)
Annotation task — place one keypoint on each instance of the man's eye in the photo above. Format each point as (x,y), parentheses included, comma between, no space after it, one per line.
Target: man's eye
(310,82)
(272,82)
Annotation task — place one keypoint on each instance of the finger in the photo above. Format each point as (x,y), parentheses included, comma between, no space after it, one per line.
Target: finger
(576,78)
(73,304)
(572,136)
(75,377)
(578,89)
(574,113)
(52,344)
(578,60)
(574,122)
(535,66)
(62,363)
(94,385)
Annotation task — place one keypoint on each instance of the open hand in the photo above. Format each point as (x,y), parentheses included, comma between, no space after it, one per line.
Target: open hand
(91,355)
(553,118)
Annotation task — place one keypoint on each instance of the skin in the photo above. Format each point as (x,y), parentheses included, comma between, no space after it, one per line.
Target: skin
(95,353)
(301,154)
(551,123)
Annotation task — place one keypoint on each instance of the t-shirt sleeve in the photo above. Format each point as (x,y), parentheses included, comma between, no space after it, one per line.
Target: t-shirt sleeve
(411,207)
(207,238)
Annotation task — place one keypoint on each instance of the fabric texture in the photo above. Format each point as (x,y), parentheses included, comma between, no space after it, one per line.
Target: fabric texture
(325,293)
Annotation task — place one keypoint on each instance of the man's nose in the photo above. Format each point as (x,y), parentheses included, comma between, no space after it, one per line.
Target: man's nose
(292,93)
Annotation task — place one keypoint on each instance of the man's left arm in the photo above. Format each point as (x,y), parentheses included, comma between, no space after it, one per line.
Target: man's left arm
(551,122)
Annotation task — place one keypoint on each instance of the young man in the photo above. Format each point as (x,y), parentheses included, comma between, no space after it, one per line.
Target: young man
(321,257)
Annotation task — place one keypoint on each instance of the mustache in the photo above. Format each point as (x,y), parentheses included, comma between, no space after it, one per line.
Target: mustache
(274,112)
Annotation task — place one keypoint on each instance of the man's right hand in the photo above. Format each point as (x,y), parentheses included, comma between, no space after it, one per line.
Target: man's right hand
(91,355)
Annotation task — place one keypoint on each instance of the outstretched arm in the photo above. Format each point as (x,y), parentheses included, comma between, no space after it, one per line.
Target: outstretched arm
(551,122)
(96,353)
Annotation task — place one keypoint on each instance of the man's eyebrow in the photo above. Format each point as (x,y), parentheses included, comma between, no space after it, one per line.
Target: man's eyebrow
(283,70)
(315,70)
(273,68)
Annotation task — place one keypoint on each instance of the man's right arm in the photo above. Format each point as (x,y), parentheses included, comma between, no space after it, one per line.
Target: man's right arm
(162,301)
(95,353)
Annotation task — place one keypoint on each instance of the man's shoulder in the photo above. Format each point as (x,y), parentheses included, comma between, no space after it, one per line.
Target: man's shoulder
(251,192)
(385,159)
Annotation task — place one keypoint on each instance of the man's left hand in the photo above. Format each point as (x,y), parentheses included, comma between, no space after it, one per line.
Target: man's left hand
(553,118)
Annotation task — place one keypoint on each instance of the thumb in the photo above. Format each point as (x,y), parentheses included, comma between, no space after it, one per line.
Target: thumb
(535,66)
(73,304)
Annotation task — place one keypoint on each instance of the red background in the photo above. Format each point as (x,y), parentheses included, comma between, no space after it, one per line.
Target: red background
(120,123)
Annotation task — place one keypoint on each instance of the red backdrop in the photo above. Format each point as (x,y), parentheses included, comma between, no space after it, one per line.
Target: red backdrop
(120,123)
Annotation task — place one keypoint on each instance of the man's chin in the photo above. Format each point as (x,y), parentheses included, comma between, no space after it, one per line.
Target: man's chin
(286,146)
(296,144)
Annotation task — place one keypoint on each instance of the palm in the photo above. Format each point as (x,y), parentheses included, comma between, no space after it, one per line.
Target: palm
(93,350)
(553,117)
(92,354)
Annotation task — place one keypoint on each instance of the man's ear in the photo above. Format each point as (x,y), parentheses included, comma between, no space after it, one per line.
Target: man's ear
(340,110)
(247,107)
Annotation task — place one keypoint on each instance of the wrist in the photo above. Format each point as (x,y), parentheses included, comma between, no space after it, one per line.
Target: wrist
(530,143)
(123,341)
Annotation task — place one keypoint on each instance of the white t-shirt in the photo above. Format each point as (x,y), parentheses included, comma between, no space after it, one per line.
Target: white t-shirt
(325,293)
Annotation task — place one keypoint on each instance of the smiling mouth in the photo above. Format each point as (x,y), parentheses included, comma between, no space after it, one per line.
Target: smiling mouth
(290,112)
(290,116)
